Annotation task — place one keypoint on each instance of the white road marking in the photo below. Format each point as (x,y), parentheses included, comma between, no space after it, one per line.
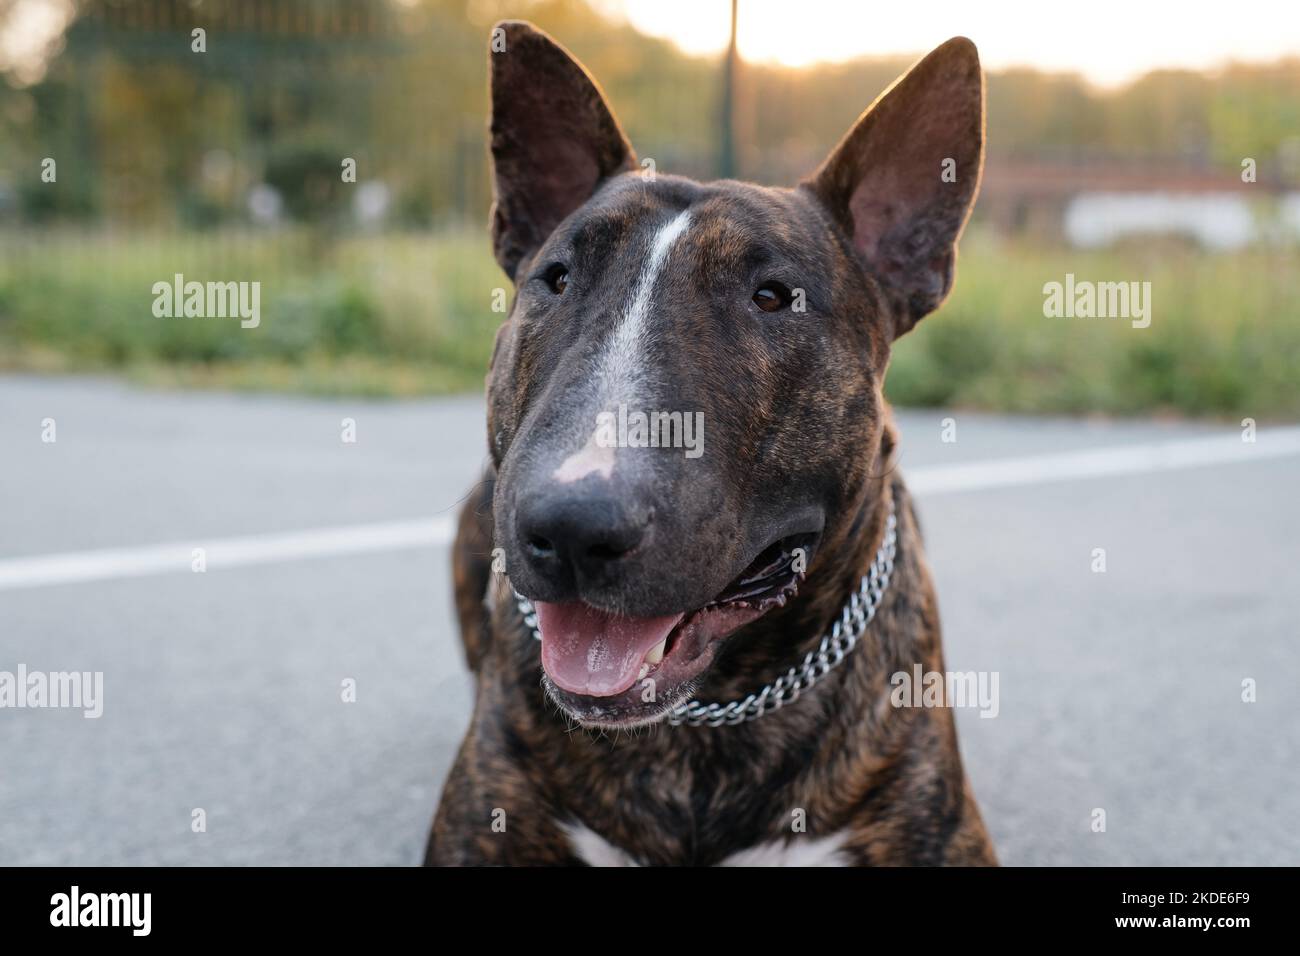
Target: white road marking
(175,557)
(220,553)
(1104,462)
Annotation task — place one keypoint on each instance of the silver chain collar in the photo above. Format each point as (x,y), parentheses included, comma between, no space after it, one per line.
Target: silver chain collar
(817,663)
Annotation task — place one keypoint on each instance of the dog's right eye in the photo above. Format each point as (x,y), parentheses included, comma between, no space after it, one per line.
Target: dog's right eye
(772,297)
(556,278)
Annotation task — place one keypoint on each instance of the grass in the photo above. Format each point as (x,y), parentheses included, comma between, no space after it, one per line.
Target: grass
(411,314)
(381,315)
(1224,338)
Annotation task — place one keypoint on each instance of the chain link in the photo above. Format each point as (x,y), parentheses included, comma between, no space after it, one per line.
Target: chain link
(844,635)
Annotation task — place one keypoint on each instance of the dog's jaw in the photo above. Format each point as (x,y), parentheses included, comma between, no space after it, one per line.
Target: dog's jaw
(612,672)
(659,686)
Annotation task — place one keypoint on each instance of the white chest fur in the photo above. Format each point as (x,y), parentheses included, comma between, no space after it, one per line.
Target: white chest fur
(799,850)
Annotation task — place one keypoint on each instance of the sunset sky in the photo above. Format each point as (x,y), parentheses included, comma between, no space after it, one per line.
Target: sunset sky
(1108,41)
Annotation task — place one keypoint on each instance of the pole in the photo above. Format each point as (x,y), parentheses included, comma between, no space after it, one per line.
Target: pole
(727,149)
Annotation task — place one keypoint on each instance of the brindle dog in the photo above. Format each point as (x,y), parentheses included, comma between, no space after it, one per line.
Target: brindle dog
(659,576)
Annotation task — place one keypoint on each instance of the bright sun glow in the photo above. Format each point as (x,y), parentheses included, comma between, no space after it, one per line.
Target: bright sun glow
(1108,41)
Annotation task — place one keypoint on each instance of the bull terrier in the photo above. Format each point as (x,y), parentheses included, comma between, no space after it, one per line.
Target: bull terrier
(685,658)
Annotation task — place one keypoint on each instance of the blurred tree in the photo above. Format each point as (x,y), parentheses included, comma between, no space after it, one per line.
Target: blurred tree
(306,172)
(148,131)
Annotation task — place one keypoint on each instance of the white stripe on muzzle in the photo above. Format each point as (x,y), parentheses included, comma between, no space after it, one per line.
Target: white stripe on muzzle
(622,366)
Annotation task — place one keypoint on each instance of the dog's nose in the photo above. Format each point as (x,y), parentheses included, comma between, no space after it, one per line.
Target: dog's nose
(565,536)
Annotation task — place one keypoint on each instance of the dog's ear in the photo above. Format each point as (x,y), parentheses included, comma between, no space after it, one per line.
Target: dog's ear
(553,139)
(904,178)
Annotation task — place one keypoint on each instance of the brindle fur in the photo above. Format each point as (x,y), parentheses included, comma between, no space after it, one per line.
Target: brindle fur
(889,779)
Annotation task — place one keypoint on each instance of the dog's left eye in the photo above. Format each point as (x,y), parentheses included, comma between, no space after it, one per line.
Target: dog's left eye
(771,297)
(556,279)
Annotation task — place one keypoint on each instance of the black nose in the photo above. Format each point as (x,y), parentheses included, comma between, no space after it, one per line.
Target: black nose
(567,536)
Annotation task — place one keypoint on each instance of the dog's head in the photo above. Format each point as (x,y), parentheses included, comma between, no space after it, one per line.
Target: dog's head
(685,401)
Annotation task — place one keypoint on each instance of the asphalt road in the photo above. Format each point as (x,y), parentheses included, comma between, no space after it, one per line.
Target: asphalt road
(1119,690)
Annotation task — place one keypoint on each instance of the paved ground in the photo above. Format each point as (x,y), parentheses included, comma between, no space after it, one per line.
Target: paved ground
(1119,690)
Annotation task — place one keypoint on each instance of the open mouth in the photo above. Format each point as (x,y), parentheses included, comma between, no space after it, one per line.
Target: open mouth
(607,669)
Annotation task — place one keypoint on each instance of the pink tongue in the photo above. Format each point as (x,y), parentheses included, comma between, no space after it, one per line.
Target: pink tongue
(586,651)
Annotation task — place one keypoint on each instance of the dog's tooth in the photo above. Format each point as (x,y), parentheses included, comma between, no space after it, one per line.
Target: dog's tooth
(657,652)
